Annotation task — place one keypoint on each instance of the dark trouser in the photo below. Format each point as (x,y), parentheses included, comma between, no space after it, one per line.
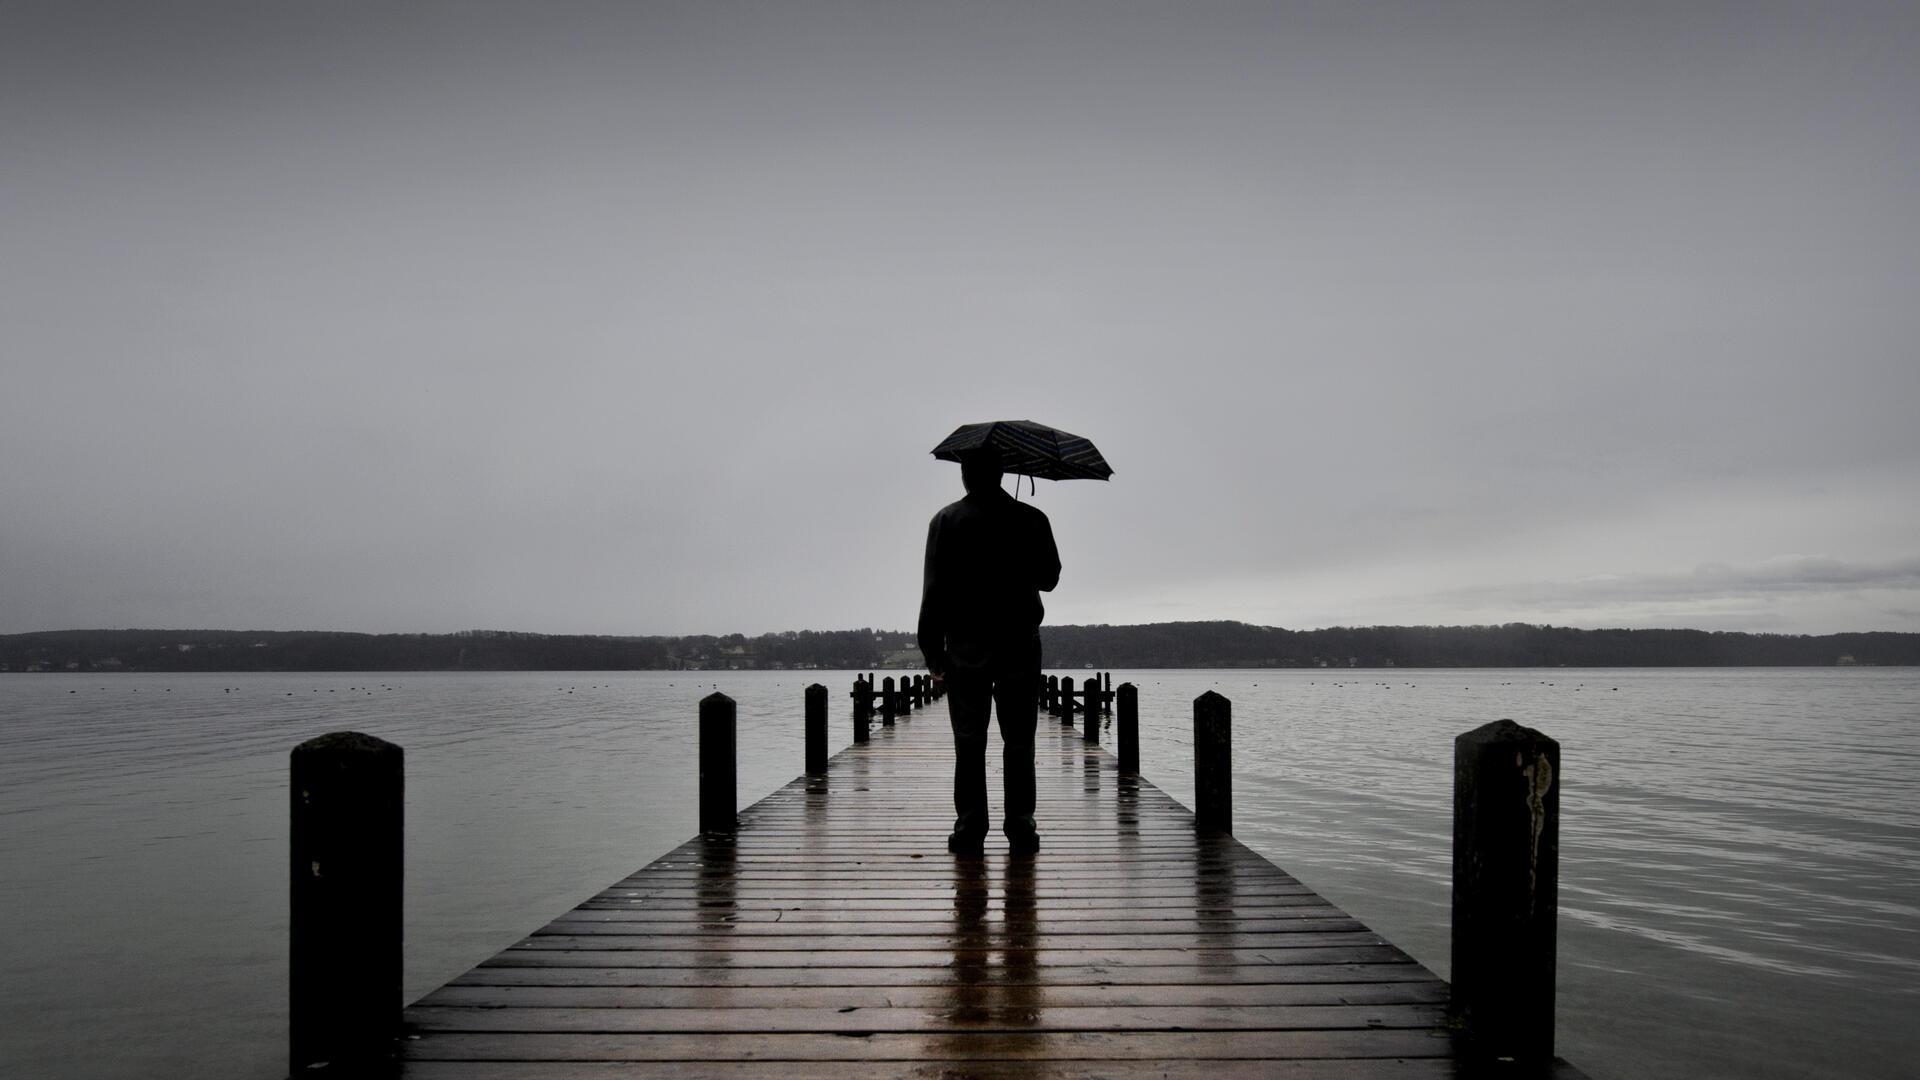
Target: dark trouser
(1007,679)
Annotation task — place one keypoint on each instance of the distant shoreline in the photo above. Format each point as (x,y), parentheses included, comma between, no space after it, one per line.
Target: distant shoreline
(1191,645)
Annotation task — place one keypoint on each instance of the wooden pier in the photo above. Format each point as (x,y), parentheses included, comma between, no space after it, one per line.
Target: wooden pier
(833,936)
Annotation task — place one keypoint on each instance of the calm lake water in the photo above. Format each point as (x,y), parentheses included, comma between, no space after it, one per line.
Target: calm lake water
(1740,849)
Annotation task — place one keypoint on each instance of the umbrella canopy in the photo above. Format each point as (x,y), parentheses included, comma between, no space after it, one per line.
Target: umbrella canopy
(1028,449)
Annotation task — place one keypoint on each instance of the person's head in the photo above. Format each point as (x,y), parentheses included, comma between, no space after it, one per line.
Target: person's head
(980,469)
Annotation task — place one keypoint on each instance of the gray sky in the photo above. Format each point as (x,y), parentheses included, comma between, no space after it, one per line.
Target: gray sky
(642,317)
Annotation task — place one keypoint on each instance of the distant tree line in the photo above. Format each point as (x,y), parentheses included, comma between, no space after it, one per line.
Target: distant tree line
(475,650)
(1236,644)
(1157,645)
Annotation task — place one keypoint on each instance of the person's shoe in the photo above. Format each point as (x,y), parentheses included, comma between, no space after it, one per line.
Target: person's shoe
(1026,843)
(961,844)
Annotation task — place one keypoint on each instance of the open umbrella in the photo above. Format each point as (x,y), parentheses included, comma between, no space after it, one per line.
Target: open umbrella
(1029,449)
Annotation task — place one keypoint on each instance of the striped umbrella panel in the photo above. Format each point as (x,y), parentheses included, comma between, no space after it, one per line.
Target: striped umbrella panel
(1028,448)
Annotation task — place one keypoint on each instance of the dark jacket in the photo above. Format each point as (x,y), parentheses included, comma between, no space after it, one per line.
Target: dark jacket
(989,557)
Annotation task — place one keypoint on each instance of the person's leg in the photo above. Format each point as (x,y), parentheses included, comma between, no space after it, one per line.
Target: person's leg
(969,700)
(1016,699)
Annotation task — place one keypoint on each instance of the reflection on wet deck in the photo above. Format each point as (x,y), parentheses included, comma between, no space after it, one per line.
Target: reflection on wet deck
(834,936)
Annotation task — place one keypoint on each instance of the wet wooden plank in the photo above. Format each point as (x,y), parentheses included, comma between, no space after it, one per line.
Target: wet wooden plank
(971,1009)
(934,994)
(835,936)
(963,1045)
(1188,974)
(951,1069)
(1117,957)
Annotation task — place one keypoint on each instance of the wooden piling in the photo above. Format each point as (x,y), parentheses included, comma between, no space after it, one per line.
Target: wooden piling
(1053,695)
(1506,865)
(816,730)
(1213,763)
(1066,701)
(1090,721)
(346,853)
(887,703)
(862,709)
(1127,729)
(719,793)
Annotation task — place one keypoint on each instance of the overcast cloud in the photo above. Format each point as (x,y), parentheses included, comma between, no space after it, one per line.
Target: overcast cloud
(642,317)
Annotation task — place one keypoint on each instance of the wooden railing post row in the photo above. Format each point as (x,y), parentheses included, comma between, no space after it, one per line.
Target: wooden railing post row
(816,697)
(1506,868)
(862,709)
(719,788)
(1213,763)
(346,852)
(1127,728)
(887,702)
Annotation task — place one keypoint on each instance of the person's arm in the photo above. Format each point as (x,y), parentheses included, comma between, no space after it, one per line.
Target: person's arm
(1046,567)
(933,619)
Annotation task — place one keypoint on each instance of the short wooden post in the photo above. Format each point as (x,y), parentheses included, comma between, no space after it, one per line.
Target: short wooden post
(816,730)
(862,709)
(1506,868)
(1213,763)
(1053,695)
(1066,701)
(719,798)
(346,854)
(887,702)
(1090,722)
(1127,728)
(1106,692)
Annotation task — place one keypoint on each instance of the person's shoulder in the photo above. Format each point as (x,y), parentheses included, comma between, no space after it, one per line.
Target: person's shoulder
(1029,511)
(949,511)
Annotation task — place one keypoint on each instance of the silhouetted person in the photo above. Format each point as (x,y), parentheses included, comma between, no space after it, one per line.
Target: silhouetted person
(989,558)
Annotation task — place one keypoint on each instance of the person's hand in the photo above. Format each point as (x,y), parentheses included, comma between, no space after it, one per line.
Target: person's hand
(937,678)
